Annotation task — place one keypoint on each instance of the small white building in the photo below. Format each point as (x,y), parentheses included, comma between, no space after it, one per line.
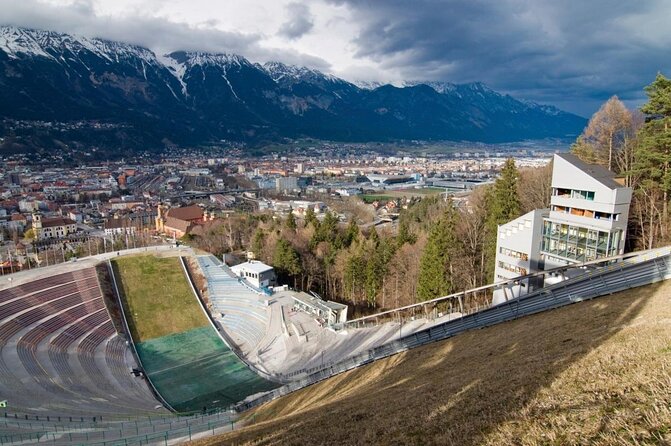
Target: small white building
(328,311)
(257,273)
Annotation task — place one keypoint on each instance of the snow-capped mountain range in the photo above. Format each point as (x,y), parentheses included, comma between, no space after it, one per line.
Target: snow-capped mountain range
(196,97)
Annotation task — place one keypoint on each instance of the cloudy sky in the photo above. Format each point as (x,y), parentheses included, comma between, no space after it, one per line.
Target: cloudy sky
(570,53)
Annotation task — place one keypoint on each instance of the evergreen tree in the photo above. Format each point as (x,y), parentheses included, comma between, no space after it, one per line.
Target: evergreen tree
(311,218)
(653,154)
(503,205)
(290,223)
(350,234)
(286,260)
(326,231)
(355,272)
(583,150)
(373,275)
(258,243)
(381,250)
(404,235)
(435,278)
(374,237)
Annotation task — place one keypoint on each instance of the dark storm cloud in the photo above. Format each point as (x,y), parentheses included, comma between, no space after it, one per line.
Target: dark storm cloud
(572,53)
(158,34)
(300,21)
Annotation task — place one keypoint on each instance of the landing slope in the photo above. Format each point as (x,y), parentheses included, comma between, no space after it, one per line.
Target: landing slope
(597,372)
(158,300)
(181,353)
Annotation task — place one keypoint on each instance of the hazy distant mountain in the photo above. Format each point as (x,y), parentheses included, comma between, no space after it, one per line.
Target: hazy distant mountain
(196,98)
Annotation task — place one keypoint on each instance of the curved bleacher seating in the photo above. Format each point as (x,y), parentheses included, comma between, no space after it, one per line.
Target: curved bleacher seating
(59,346)
(238,308)
(65,372)
(60,353)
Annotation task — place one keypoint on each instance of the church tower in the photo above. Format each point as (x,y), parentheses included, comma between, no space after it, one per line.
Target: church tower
(37,221)
(159,218)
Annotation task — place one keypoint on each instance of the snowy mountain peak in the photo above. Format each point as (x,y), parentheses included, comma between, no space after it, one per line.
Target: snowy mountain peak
(440,87)
(368,85)
(544,108)
(192,58)
(479,87)
(20,42)
(281,72)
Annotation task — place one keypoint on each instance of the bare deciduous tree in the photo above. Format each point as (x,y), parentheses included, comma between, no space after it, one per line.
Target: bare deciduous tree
(608,133)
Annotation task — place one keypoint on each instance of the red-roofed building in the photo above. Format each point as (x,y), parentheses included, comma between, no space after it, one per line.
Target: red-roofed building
(179,221)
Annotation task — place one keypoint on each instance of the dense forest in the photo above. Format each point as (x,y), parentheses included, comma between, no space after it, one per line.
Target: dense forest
(438,246)
(442,246)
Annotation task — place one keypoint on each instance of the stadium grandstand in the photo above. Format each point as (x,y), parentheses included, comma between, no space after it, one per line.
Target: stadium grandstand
(66,366)
(66,354)
(60,352)
(238,306)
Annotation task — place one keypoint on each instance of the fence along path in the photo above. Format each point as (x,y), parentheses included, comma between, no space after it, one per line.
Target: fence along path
(619,273)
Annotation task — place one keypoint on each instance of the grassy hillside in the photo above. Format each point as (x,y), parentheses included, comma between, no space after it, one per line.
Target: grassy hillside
(158,300)
(597,372)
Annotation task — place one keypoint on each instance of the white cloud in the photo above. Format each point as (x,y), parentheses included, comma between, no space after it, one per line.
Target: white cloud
(576,52)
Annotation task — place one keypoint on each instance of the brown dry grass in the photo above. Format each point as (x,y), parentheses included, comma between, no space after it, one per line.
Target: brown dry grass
(199,280)
(596,372)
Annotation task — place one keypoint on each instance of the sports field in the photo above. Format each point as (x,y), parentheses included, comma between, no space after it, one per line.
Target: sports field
(181,353)
(157,298)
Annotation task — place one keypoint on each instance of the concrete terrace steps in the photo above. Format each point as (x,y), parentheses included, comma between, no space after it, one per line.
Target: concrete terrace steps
(17,306)
(53,352)
(27,289)
(245,315)
(227,309)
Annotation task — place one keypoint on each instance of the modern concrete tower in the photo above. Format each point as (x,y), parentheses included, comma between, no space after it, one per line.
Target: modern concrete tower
(589,210)
(587,220)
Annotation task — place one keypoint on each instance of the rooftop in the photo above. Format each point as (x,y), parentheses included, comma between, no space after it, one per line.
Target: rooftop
(318,303)
(185,213)
(599,173)
(57,221)
(253,266)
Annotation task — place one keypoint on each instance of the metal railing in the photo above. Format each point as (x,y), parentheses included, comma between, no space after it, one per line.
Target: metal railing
(127,433)
(630,271)
(459,300)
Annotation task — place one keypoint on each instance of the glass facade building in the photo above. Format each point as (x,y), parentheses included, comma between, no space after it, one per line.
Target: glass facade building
(578,243)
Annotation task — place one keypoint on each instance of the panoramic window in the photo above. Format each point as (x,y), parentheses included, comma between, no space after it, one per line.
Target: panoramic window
(578,243)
